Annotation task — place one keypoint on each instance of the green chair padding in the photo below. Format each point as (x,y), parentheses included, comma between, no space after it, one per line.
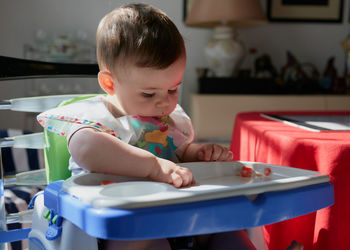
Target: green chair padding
(56,150)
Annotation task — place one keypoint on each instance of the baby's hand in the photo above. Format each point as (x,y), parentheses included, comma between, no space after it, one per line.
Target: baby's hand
(214,152)
(169,172)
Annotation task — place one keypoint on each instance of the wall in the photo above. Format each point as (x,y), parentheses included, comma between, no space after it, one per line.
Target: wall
(19,19)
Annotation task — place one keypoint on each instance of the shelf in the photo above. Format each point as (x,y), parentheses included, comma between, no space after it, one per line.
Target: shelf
(261,86)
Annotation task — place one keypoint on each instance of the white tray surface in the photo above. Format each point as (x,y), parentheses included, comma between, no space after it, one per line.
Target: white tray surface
(213,180)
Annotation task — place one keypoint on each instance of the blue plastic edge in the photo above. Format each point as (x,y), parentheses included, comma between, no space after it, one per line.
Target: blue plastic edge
(14,235)
(185,219)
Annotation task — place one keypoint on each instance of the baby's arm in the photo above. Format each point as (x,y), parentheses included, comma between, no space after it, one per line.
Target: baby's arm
(206,152)
(103,153)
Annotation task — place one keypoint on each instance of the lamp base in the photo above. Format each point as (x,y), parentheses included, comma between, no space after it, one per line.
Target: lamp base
(224,53)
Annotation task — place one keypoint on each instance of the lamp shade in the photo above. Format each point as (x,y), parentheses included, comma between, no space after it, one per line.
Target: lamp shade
(236,13)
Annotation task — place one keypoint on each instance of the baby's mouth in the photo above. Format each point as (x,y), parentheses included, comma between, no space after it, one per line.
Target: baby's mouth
(163,114)
(158,117)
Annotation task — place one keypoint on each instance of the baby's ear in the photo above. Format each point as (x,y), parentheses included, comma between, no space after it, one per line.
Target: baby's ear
(106,82)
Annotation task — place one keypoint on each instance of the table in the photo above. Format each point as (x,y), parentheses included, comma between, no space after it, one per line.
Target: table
(260,139)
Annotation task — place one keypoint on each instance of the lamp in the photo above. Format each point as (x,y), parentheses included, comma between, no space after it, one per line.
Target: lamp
(224,53)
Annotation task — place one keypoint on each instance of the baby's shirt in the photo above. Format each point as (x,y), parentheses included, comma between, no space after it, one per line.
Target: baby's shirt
(165,137)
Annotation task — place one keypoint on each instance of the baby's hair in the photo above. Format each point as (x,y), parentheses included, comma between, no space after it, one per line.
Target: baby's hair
(140,35)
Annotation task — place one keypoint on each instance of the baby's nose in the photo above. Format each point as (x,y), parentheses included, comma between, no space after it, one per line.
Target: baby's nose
(164,101)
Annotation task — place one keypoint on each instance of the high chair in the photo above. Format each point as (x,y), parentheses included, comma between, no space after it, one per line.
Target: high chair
(73,212)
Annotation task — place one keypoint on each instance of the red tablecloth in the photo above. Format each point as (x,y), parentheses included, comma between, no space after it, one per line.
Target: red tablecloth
(259,139)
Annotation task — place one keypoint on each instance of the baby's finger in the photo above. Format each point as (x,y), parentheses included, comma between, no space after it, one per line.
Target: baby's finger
(201,155)
(186,176)
(229,156)
(193,181)
(226,155)
(207,151)
(175,179)
(217,152)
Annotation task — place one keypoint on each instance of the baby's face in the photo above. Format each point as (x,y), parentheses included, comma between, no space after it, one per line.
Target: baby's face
(148,91)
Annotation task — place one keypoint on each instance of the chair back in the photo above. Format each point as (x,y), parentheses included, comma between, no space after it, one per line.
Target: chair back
(56,151)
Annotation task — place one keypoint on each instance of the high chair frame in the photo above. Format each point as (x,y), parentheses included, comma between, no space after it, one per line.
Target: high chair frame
(16,69)
(204,216)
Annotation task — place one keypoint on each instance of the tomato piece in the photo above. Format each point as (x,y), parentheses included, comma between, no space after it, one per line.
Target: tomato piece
(105,182)
(246,171)
(267,171)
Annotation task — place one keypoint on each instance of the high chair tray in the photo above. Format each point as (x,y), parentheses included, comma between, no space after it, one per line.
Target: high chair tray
(221,201)
(213,180)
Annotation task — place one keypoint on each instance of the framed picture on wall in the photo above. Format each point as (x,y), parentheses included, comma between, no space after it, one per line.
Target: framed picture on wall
(305,11)
(187,4)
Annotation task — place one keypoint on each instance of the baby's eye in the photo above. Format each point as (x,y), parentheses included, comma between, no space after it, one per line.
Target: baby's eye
(148,95)
(172,91)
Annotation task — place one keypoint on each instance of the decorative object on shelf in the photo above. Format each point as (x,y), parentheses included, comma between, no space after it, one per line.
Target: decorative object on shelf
(250,62)
(346,46)
(330,81)
(202,72)
(41,41)
(61,48)
(305,10)
(291,72)
(310,71)
(225,52)
(329,75)
(330,70)
(264,67)
(339,86)
(300,77)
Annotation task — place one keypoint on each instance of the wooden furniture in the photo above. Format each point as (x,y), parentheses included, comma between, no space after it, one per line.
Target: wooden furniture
(213,115)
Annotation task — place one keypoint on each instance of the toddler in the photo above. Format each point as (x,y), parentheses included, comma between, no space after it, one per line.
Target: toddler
(137,129)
